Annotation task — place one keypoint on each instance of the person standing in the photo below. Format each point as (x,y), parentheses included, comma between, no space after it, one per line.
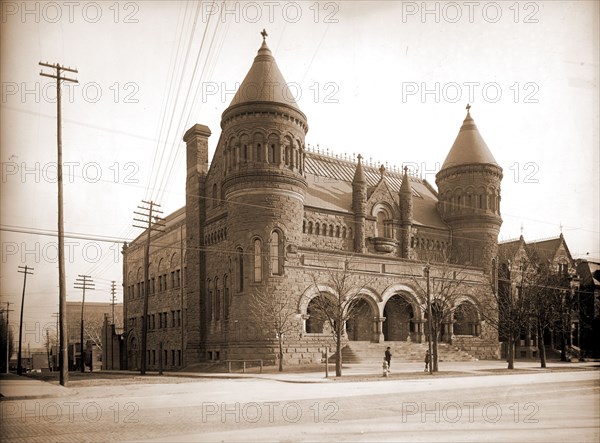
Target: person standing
(427,360)
(388,357)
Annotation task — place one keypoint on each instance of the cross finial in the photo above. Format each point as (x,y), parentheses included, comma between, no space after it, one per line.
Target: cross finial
(468,108)
(521,229)
(560,227)
(405,169)
(264,34)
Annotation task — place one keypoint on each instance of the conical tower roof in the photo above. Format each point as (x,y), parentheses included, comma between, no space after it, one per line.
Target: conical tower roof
(469,147)
(264,82)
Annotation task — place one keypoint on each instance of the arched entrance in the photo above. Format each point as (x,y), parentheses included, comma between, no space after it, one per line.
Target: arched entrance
(315,321)
(359,326)
(399,314)
(132,353)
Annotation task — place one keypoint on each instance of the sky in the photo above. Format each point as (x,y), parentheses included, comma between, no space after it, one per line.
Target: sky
(389,80)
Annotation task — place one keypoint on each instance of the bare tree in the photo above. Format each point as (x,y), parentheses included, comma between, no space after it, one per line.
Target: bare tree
(276,312)
(440,296)
(336,308)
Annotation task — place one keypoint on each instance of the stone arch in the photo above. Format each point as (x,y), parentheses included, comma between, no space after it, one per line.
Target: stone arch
(174,261)
(363,312)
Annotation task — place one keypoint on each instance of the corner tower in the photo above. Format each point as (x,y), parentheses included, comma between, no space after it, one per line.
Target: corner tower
(262,147)
(469,197)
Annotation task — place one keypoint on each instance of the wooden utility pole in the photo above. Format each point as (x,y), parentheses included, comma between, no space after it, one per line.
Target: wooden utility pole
(113,297)
(151,222)
(8,310)
(25,270)
(62,285)
(83,282)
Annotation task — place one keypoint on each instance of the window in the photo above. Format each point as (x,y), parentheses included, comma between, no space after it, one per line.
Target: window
(214,195)
(178,278)
(217,300)
(275,253)
(209,302)
(257,261)
(240,269)
(226,297)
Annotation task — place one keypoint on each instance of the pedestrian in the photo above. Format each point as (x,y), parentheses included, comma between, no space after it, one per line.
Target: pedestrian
(427,360)
(388,357)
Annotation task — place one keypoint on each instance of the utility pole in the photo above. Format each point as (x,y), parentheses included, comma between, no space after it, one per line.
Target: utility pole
(62,285)
(25,270)
(54,356)
(8,310)
(151,222)
(83,282)
(113,297)
(430,318)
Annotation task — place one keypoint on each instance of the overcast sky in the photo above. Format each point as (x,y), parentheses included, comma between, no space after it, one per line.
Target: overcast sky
(389,80)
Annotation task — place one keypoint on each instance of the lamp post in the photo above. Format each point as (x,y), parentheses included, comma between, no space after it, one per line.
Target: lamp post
(430,325)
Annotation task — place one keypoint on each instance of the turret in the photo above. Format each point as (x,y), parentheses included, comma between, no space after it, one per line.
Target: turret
(359,206)
(469,197)
(406,215)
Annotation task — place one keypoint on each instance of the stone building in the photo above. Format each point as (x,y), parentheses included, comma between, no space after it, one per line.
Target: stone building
(268,214)
(541,268)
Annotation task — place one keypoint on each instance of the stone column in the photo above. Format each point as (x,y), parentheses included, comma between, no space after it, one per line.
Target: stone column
(378,329)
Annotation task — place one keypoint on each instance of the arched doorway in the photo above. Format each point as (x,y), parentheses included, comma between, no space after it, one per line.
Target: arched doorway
(359,326)
(132,353)
(316,318)
(399,314)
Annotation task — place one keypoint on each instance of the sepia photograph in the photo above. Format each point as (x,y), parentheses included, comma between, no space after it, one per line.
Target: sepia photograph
(300,220)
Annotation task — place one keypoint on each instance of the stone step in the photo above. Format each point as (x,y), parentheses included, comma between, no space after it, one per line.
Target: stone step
(367,352)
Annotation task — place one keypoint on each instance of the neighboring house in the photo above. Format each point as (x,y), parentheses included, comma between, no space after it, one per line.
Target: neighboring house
(589,305)
(268,214)
(541,268)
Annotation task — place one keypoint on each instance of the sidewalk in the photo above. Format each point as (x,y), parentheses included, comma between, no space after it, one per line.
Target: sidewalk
(16,387)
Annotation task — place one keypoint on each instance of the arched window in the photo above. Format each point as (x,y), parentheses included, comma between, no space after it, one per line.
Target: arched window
(316,318)
(380,224)
(214,196)
(240,269)
(226,296)
(276,253)
(209,299)
(217,300)
(258,156)
(257,261)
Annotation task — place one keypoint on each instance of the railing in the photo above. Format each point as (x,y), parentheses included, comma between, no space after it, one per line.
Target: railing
(243,362)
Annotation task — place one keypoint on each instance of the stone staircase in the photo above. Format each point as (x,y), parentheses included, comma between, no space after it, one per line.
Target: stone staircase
(367,352)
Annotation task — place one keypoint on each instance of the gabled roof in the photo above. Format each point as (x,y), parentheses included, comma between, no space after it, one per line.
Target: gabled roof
(546,250)
(330,188)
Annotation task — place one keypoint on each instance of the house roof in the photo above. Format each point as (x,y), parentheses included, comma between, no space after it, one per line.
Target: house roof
(330,187)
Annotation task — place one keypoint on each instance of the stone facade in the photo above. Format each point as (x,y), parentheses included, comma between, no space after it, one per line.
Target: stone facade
(268,214)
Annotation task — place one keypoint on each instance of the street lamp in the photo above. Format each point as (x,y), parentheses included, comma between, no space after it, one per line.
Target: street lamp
(430,318)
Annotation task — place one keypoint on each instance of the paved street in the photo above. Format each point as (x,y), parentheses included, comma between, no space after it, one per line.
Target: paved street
(536,406)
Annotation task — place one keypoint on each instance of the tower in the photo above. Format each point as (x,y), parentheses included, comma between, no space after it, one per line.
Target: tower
(359,206)
(262,181)
(469,197)
(406,215)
